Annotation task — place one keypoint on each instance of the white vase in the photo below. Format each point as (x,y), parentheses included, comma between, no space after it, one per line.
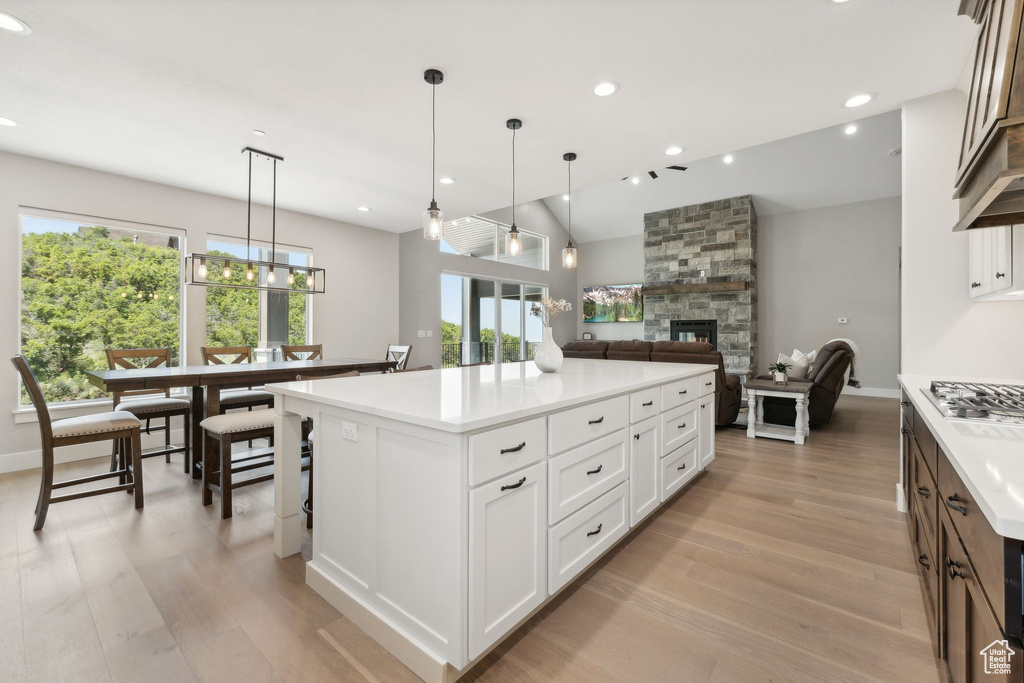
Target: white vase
(781,378)
(548,356)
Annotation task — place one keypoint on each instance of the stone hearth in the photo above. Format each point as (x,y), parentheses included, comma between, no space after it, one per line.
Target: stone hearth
(703,243)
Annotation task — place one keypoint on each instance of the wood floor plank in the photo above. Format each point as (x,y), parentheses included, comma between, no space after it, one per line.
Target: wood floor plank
(230,657)
(150,656)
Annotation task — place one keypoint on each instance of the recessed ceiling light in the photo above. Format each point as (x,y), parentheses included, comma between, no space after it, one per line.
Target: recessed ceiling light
(838,2)
(672,151)
(850,129)
(364,208)
(727,158)
(14,24)
(636,180)
(858,100)
(565,197)
(7,122)
(606,88)
(258,132)
(447,181)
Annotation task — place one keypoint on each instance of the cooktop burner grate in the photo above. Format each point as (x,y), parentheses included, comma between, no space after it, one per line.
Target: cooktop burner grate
(1003,403)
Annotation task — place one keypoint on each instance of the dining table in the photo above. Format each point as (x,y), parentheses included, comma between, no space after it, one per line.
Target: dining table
(205,382)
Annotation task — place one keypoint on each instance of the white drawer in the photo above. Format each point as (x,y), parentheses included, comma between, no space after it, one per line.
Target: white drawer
(677,393)
(707,383)
(679,425)
(582,537)
(677,468)
(644,404)
(502,450)
(581,475)
(577,426)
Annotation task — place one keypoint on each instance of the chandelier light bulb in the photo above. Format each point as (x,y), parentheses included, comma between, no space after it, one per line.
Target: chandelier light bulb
(271,278)
(310,280)
(513,245)
(249,274)
(202,268)
(291,276)
(227,269)
(433,222)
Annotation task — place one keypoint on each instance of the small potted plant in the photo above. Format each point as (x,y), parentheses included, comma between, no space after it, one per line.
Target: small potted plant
(548,356)
(779,370)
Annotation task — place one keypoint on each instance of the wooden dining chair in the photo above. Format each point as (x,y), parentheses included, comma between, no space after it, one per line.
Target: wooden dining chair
(302,352)
(121,427)
(307,505)
(399,354)
(420,368)
(246,397)
(151,404)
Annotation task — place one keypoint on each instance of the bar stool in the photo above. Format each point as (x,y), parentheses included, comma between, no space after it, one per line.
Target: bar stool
(219,469)
(121,427)
(156,404)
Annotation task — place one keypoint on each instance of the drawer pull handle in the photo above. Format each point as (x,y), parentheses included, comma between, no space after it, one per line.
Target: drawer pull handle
(682,467)
(682,426)
(903,430)
(599,468)
(952,501)
(682,392)
(950,562)
(515,485)
(904,403)
(974,285)
(923,561)
(514,449)
(954,572)
(597,421)
(649,403)
(923,490)
(636,436)
(595,531)
(707,384)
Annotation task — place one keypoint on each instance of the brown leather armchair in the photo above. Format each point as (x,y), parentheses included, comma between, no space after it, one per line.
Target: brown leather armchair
(728,389)
(585,348)
(829,371)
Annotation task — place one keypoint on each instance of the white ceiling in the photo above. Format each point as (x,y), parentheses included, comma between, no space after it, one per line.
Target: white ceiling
(823,168)
(169,91)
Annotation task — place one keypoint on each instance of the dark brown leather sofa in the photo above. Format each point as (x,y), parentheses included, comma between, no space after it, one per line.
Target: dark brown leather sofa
(727,387)
(829,371)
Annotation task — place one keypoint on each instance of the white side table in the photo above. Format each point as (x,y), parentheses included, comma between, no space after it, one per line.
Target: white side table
(799,392)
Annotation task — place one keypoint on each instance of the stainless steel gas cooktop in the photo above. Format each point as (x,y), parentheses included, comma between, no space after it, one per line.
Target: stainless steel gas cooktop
(976,401)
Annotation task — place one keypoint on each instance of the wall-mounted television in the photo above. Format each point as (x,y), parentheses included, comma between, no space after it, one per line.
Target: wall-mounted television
(613,304)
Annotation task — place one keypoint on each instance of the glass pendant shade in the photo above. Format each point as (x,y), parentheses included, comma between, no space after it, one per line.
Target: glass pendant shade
(227,269)
(271,277)
(249,275)
(202,267)
(433,222)
(513,244)
(569,256)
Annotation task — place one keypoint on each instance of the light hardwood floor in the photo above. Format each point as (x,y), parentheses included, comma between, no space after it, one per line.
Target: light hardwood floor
(783,563)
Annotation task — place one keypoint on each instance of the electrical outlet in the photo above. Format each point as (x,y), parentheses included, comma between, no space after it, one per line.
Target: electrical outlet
(350,431)
(843,321)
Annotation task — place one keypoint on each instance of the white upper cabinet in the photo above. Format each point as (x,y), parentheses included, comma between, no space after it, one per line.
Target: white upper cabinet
(996,263)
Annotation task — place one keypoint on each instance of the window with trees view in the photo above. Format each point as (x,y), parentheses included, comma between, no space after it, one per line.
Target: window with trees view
(89,285)
(237,317)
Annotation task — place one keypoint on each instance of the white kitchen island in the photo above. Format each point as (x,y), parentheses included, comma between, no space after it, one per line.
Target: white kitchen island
(450,505)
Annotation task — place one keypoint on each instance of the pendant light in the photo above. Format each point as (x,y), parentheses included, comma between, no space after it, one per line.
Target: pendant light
(433,217)
(569,252)
(513,244)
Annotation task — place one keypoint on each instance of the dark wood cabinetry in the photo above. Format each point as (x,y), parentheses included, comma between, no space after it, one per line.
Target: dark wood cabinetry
(971,576)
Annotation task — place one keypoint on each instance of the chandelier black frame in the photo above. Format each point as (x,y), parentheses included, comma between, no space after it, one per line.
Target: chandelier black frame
(268,276)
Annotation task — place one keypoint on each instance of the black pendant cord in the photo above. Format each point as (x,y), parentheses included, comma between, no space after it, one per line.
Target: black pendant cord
(248,215)
(570,201)
(513,177)
(433,143)
(273,220)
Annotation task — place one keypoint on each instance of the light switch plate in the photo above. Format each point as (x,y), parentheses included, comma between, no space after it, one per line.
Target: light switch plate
(843,321)
(350,431)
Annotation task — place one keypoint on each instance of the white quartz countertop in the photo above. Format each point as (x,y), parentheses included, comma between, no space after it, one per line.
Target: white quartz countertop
(467,399)
(989,458)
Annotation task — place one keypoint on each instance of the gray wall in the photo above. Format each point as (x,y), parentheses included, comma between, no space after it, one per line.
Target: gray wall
(819,265)
(618,261)
(421,263)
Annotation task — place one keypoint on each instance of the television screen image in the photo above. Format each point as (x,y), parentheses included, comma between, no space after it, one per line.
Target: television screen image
(613,304)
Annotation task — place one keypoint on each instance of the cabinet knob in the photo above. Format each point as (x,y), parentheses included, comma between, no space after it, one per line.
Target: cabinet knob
(595,531)
(514,449)
(975,285)
(950,562)
(649,403)
(636,436)
(515,485)
(954,572)
(903,430)
(597,421)
(923,490)
(599,468)
(1000,274)
(923,561)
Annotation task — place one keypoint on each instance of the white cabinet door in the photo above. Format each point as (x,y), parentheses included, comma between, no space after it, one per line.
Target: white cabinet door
(644,452)
(507,553)
(979,249)
(706,437)
(1002,264)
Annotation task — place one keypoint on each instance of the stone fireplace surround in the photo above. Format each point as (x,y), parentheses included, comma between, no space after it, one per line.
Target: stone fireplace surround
(705,243)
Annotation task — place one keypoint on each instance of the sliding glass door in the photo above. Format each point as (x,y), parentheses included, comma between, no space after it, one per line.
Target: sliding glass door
(472,323)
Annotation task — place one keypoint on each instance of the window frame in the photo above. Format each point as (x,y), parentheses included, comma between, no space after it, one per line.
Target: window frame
(23,410)
(499,231)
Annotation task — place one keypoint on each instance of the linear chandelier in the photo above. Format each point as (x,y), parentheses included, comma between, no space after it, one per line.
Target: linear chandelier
(218,270)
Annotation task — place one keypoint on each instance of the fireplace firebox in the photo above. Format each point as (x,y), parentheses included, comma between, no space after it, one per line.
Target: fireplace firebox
(695,331)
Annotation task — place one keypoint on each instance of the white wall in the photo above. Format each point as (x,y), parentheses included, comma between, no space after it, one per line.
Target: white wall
(356,317)
(943,332)
(617,261)
(819,265)
(422,262)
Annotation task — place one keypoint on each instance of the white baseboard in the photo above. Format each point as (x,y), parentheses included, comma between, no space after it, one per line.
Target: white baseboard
(26,460)
(876,392)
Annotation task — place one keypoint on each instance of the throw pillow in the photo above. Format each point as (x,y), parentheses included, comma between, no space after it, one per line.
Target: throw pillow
(799,369)
(809,357)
